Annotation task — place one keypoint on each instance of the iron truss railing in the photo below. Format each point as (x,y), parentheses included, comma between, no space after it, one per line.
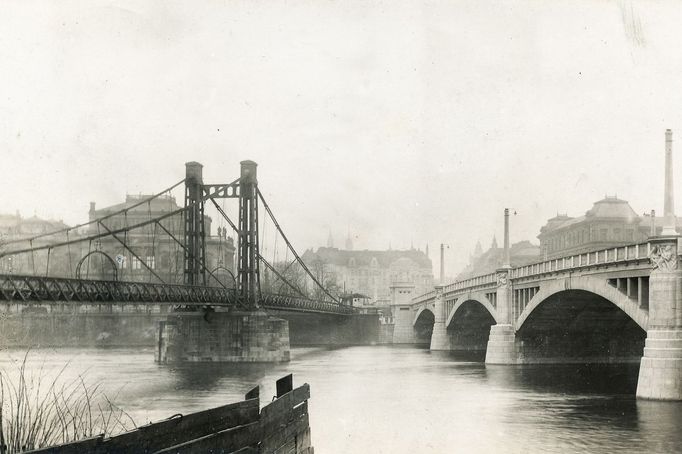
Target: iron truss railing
(29,289)
(295,303)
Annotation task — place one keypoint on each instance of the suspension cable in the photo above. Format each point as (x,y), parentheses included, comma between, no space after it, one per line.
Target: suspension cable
(284,271)
(149,209)
(272,268)
(68,247)
(139,259)
(98,245)
(93,237)
(293,251)
(87,267)
(200,264)
(124,210)
(224,215)
(33,258)
(47,266)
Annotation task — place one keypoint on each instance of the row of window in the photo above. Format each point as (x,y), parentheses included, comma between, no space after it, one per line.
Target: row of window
(583,236)
(135,263)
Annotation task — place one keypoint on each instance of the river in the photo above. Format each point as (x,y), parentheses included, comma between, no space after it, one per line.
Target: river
(401,399)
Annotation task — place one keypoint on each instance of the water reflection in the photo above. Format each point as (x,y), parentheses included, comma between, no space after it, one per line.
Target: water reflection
(407,400)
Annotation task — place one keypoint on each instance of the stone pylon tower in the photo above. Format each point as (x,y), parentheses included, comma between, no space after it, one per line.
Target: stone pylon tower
(501,347)
(660,372)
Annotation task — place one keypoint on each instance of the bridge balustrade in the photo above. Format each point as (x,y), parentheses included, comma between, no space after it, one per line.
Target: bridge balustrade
(620,254)
(602,257)
(478,281)
(425,297)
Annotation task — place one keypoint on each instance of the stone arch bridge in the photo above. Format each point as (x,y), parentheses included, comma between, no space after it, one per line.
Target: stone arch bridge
(615,305)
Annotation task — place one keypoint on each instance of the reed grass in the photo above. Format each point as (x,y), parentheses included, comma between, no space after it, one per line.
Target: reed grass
(39,409)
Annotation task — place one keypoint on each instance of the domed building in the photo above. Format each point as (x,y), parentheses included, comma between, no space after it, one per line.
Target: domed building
(609,223)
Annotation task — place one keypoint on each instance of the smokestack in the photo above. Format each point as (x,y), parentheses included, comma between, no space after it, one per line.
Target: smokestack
(653,223)
(669,200)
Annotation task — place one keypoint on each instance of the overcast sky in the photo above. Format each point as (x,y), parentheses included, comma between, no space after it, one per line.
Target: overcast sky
(405,121)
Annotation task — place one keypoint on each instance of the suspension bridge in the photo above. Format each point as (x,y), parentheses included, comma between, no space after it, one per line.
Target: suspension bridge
(138,256)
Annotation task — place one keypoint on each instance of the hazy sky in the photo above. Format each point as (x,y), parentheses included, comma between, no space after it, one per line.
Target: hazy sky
(407,121)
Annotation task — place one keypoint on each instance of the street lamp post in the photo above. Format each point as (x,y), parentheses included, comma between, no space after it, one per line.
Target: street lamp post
(507,251)
(442,262)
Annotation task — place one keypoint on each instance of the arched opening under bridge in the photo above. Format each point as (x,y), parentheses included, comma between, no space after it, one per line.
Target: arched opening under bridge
(468,327)
(578,326)
(423,327)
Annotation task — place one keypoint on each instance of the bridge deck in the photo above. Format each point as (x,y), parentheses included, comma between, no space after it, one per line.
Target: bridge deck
(611,261)
(35,289)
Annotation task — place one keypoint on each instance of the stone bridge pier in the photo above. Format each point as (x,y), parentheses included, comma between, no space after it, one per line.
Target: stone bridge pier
(660,372)
(502,341)
(439,337)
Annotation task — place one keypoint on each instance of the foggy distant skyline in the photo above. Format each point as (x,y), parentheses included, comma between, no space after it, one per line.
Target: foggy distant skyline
(410,123)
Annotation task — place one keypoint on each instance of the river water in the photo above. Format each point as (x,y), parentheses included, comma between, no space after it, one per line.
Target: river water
(401,399)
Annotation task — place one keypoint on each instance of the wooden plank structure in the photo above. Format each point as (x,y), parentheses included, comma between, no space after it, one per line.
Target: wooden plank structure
(281,427)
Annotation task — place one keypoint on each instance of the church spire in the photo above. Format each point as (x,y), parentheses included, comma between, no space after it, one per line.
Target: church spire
(494,245)
(349,241)
(478,251)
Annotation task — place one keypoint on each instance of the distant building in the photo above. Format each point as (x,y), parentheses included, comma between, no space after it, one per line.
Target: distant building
(151,247)
(14,227)
(356,300)
(609,223)
(521,253)
(370,273)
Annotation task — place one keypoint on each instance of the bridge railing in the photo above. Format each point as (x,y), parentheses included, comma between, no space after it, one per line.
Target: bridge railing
(35,289)
(424,297)
(477,282)
(620,254)
(40,288)
(293,303)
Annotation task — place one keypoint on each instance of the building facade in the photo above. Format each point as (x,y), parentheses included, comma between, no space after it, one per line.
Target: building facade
(609,223)
(152,249)
(16,232)
(370,273)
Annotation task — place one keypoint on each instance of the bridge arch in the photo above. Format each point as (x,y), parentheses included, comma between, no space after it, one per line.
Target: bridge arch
(595,285)
(424,321)
(420,312)
(468,323)
(581,319)
(477,297)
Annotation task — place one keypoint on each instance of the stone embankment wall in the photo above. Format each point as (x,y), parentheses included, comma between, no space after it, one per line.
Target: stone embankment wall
(78,330)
